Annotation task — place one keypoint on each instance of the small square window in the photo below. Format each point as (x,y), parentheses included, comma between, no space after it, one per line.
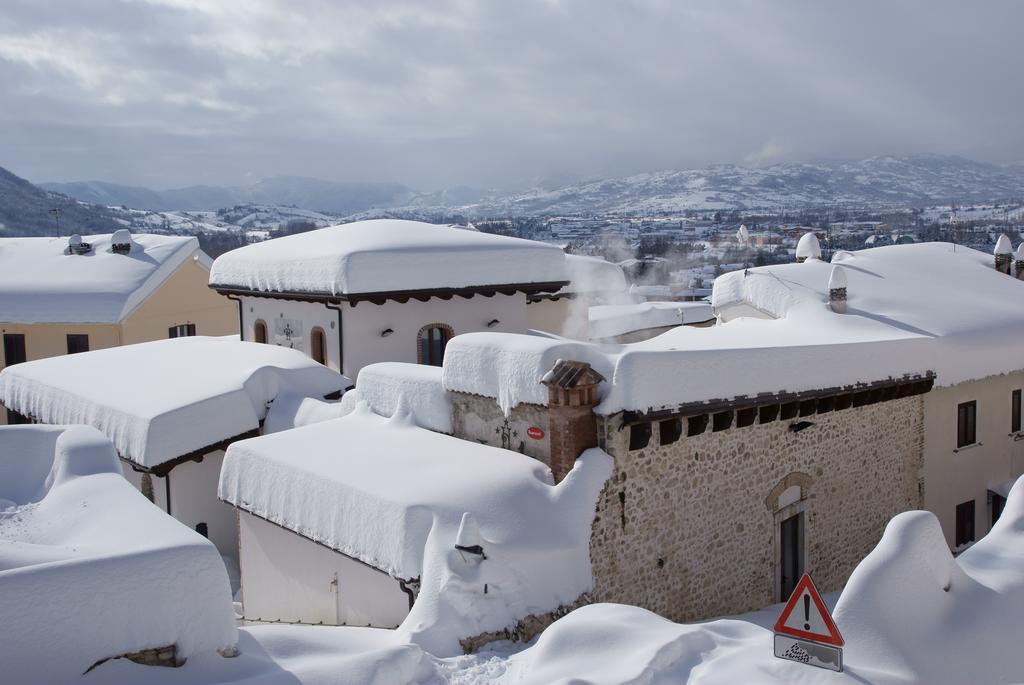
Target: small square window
(639,435)
(669,430)
(77,343)
(966,423)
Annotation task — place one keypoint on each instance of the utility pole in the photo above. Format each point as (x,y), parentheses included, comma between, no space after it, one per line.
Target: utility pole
(57,211)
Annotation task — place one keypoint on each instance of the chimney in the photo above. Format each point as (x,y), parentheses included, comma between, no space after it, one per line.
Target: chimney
(121,241)
(1004,254)
(1019,265)
(808,248)
(77,246)
(572,426)
(837,290)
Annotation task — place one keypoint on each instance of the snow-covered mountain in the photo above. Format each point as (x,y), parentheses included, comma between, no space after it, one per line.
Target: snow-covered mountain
(307,193)
(877,181)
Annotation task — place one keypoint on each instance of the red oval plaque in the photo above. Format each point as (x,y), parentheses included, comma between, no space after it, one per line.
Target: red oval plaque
(535,433)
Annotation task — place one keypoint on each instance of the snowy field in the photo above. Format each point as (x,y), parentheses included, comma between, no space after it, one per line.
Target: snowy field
(910,613)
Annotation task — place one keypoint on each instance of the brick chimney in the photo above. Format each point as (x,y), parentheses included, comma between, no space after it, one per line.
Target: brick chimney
(572,426)
(1004,254)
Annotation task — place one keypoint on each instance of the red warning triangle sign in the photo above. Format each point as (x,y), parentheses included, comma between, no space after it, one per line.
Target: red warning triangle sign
(806,617)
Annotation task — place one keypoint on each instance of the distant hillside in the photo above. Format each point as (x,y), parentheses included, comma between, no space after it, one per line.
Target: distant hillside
(307,193)
(25,209)
(913,180)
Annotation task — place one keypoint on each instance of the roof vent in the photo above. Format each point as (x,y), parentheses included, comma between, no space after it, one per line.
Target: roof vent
(808,248)
(121,241)
(77,246)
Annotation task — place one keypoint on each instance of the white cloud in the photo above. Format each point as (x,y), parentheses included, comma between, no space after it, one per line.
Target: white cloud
(170,92)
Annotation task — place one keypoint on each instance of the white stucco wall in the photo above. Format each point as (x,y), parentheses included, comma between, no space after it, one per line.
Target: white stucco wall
(288,577)
(953,476)
(194,499)
(362,324)
(303,316)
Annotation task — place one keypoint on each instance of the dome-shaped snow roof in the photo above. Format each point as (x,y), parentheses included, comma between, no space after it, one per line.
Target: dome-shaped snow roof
(837,279)
(808,247)
(1020,252)
(1003,245)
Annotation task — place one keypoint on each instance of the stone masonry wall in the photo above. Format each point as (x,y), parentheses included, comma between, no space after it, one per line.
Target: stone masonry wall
(689,530)
(480,418)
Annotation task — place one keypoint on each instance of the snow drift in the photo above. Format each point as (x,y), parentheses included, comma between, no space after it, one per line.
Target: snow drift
(89,569)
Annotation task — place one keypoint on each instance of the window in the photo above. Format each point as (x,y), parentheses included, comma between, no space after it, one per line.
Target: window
(14,418)
(14,348)
(181,330)
(996,505)
(669,430)
(318,345)
(639,435)
(966,423)
(1015,411)
(259,331)
(77,342)
(432,341)
(964,523)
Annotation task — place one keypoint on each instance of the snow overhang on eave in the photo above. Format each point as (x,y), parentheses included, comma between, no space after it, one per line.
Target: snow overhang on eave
(402,296)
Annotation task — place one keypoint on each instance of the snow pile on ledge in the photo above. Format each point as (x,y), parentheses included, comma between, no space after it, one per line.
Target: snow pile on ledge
(509,366)
(89,569)
(393,495)
(383,386)
(293,411)
(910,613)
(417,387)
(159,400)
(41,282)
(383,255)
(608,321)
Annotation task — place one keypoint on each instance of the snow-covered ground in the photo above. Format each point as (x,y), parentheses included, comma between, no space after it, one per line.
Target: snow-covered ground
(910,613)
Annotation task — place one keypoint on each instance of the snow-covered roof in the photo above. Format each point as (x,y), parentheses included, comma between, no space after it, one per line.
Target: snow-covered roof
(1003,245)
(394,495)
(89,567)
(607,321)
(42,281)
(158,401)
(912,309)
(387,255)
(593,275)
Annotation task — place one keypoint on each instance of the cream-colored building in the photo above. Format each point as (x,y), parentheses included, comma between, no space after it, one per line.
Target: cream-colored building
(60,296)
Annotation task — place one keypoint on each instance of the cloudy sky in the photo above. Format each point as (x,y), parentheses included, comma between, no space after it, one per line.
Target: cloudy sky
(433,93)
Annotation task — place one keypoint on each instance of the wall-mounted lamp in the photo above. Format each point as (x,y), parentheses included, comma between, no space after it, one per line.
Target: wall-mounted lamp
(492,323)
(386,332)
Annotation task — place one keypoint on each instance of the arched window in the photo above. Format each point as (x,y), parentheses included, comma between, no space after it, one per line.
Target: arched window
(431,342)
(260,331)
(318,345)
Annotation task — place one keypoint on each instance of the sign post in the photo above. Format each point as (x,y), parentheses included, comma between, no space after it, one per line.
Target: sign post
(805,631)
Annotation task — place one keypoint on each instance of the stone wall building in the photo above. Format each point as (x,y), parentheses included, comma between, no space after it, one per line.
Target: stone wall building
(692,522)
